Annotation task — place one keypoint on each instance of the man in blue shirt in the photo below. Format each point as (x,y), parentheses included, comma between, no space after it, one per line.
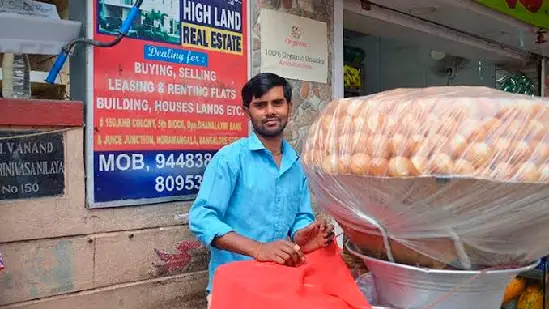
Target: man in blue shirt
(254,198)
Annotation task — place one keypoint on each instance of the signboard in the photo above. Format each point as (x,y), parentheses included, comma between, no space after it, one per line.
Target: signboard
(533,12)
(294,47)
(165,99)
(32,164)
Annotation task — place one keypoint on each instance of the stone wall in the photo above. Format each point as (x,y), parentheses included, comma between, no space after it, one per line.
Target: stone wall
(308,97)
(59,254)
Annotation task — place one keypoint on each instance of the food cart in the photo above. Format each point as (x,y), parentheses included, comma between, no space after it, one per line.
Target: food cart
(439,189)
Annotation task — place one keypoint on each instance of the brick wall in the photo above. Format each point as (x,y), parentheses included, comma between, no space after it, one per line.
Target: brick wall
(59,254)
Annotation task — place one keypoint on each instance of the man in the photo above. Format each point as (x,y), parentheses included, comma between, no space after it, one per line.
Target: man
(254,199)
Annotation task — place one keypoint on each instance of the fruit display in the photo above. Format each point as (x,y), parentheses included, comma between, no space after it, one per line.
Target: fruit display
(351,77)
(441,177)
(514,289)
(518,83)
(353,54)
(531,298)
(522,293)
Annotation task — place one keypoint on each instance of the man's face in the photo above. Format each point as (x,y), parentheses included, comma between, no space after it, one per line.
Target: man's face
(269,114)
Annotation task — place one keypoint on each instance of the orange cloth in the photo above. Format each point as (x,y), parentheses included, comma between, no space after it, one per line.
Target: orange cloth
(323,282)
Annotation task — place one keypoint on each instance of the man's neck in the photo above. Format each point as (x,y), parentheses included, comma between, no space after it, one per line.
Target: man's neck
(274,144)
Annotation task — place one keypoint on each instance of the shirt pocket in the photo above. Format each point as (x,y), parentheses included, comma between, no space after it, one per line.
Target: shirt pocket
(289,210)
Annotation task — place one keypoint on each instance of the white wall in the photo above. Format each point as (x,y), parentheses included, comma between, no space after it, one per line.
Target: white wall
(392,64)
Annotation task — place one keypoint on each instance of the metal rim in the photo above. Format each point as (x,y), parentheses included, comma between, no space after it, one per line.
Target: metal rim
(351,249)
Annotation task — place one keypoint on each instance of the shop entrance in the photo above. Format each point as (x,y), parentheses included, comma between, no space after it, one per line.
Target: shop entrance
(384,50)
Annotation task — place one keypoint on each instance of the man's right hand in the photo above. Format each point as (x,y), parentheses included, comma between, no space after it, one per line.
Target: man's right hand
(281,251)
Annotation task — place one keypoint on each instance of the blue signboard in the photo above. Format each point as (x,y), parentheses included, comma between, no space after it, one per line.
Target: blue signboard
(165,99)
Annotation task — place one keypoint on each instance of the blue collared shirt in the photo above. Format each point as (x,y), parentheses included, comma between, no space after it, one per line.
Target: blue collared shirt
(244,191)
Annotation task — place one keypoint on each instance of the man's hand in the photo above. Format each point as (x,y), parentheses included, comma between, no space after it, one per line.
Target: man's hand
(281,251)
(315,236)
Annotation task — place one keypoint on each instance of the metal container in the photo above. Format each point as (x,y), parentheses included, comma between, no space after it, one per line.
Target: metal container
(404,286)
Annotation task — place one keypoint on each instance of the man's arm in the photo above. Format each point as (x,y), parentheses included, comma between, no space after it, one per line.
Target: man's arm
(309,234)
(236,243)
(212,201)
(305,215)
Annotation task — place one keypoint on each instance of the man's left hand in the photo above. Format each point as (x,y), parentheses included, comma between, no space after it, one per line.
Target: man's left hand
(315,236)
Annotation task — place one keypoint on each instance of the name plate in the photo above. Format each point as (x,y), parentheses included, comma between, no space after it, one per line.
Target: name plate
(32,164)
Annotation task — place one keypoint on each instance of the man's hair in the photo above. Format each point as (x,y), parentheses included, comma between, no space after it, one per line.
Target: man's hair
(260,84)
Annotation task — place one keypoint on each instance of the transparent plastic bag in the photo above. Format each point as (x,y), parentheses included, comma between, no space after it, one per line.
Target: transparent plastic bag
(441,177)
(367,286)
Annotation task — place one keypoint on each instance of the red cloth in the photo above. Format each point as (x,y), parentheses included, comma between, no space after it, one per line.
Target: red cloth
(323,282)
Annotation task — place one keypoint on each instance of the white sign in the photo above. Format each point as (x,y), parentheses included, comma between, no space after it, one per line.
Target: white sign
(29,7)
(294,47)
